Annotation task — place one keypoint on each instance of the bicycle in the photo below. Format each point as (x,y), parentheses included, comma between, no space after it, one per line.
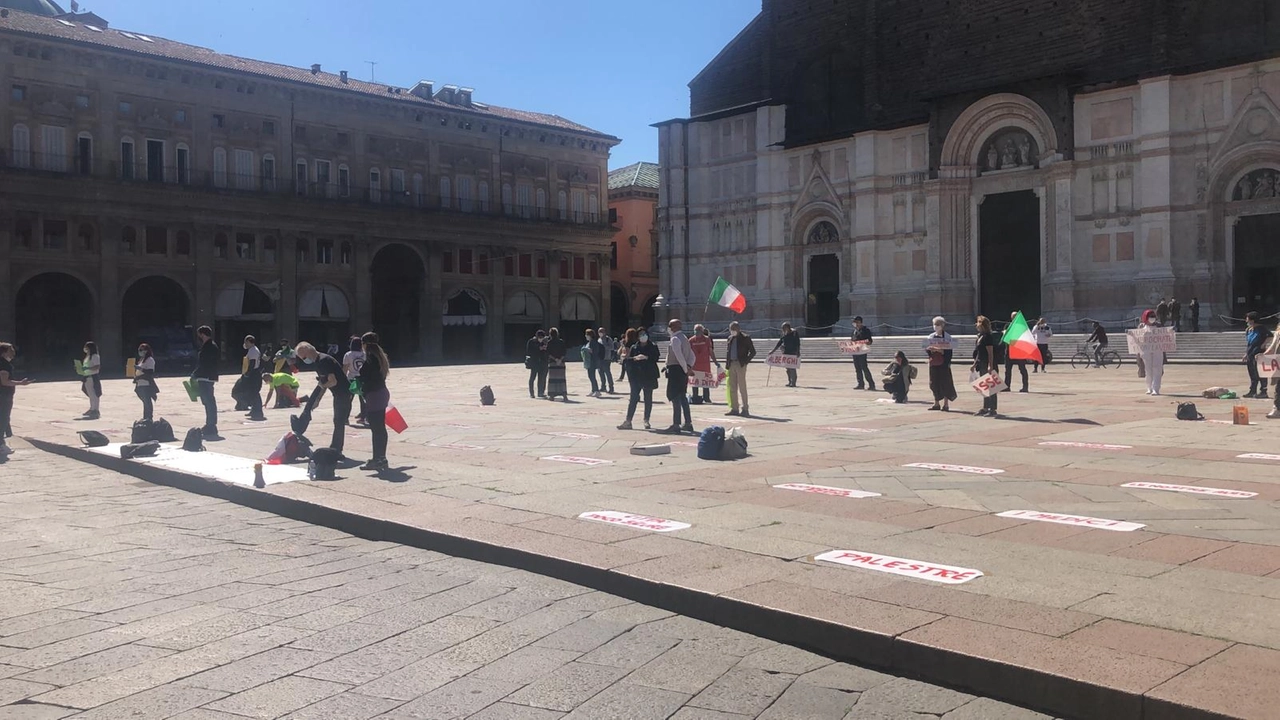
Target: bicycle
(1086,355)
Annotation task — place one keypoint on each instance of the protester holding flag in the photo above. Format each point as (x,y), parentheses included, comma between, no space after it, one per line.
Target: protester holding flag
(862,333)
(1016,329)
(726,295)
(939,346)
(373,384)
(790,344)
(984,361)
(738,354)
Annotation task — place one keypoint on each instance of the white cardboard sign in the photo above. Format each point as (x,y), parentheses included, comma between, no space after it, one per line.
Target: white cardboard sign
(639,522)
(934,572)
(854,347)
(590,462)
(849,429)
(987,385)
(955,468)
(1258,456)
(825,490)
(1152,339)
(574,436)
(1077,520)
(783,361)
(1269,366)
(1087,446)
(1193,489)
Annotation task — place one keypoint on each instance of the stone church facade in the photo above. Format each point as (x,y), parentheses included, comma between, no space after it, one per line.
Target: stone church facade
(899,160)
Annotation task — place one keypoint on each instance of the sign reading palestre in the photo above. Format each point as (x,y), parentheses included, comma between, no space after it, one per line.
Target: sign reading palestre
(783,361)
(590,462)
(854,347)
(639,522)
(955,468)
(933,572)
(1152,339)
(1077,520)
(824,490)
(1192,489)
(1087,446)
(987,385)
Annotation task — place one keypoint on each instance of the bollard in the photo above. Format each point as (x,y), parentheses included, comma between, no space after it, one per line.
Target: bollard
(258,481)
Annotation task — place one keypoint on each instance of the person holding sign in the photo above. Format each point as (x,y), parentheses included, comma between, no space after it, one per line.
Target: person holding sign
(985,361)
(144,380)
(939,347)
(790,345)
(703,355)
(862,333)
(8,388)
(1255,337)
(92,383)
(1152,355)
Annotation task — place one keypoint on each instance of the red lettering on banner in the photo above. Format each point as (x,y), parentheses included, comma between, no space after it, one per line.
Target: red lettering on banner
(900,566)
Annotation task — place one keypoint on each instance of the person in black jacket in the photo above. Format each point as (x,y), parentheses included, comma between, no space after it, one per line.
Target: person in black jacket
(790,344)
(862,333)
(204,377)
(144,380)
(329,376)
(642,371)
(1256,337)
(373,385)
(535,361)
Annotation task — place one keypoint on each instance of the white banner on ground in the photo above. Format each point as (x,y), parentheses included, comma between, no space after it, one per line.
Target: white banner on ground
(854,347)
(825,490)
(1087,445)
(943,467)
(783,361)
(1077,520)
(591,462)
(639,522)
(1192,489)
(946,574)
(1152,339)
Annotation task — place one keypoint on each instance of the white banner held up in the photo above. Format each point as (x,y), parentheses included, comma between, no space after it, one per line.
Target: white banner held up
(987,385)
(854,347)
(1268,366)
(710,379)
(1152,339)
(783,361)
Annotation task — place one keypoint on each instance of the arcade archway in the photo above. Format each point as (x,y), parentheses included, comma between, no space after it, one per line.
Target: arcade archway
(465,316)
(155,310)
(54,319)
(399,278)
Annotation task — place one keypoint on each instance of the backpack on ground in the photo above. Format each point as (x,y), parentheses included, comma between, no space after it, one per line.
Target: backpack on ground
(323,464)
(735,445)
(194,441)
(1187,411)
(711,443)
(139,450)
(93,439)
(141,432)
(162,431)
(486,396)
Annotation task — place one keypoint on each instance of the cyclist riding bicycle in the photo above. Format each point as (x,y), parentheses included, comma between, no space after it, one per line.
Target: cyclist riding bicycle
(1099,341)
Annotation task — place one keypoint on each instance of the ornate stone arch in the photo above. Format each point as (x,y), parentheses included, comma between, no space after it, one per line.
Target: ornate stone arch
(992,114)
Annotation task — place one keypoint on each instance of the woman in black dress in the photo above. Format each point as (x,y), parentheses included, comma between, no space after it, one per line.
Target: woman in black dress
(985,361)
(556,384)
(939,347)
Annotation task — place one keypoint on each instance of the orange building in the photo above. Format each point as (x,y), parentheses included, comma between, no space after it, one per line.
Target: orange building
(633,207)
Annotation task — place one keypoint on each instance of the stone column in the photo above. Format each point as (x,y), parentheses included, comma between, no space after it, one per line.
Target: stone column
(107,311)
(1059,278)
(497,306)
(9,293)
(431,309)
(362,308)
(553,288)
(202,237)
(287,307)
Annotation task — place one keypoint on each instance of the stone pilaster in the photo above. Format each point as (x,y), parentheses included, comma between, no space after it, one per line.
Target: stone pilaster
(362,309)
(606,294)
(553,288)
(495,327)
(287,307)
(107,311)
(431,309)
(8,296)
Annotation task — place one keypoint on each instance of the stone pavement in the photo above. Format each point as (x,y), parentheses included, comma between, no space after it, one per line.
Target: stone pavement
(1175,619)
(130,600)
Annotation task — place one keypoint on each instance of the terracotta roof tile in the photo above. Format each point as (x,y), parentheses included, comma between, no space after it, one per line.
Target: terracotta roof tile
(162,48)
(641,174)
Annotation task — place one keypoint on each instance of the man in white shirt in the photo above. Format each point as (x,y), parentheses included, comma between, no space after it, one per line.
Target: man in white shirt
(679,362)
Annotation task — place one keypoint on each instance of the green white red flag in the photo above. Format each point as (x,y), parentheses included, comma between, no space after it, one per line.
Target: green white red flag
(726,295)
(1022,344)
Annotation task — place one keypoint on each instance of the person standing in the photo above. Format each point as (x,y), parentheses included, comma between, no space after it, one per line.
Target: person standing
(985,361)
(1274,349)
(556,382)
(790,344)
(590,351)
(679,363)
(862,333)
(204,377)
(329,376)
(739,352)
(1152,358)
(253,378)
(1162,312)
(535,361)
(622,357)
(144,381)
(1010,363)
(285,354)
(91,384)
(1194,309)
(642,372)
(8,388)
(939,347)
(608,353)
(1175,313)
(702,356)
(352,361)
(374,368)
(1255,337)
(1042,332)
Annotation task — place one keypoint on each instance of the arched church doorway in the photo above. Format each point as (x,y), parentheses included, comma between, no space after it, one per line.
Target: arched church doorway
(824,295)
(1256,276)
(1009,255)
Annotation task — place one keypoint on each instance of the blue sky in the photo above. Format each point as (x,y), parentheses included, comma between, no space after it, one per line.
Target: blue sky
(614,66)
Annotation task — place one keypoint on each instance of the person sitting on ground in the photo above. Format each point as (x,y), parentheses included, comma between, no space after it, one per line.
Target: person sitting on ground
(898,376)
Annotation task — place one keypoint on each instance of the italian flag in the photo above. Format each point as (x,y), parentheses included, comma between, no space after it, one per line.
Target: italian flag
(1022,345)
(726,295)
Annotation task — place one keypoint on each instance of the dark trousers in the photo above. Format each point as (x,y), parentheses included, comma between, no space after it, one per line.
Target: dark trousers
(1009,365)
(989,403)
(791,376)
(210,402)
(148,402)
(636,392)
(341,414)
(255,400)
(1256,383)
(377,420)
(1195,323)
(606,376)
(862,372)
(538,377)
(622,372)
(6,412)
(591,375)
(678,394)
(898,388)
(1044,355)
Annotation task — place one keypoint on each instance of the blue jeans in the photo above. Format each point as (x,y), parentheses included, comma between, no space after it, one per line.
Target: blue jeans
(591,375)
(210,402)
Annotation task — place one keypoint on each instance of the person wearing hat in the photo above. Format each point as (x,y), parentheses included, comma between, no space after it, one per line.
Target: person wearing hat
(862,333)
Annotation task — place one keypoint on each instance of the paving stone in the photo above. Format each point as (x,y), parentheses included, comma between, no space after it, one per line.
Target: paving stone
(90,666)
(630,702)
(985,709)
(584,635)
(630,650)
(526,665)
(687,668)
(458,699)
(160,702)
(507,711)
(345,706)
(12,690)
(693,713)
(743,690)
(256,670)
(568,686)
(840,676)
(417,679)
(786,659)
(34,711)
(901,694)
(278,697)
(810,702)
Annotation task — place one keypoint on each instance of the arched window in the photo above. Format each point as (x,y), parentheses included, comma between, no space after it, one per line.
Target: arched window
(375,185)
(220,246)
(128,240)
(304,251)
(579,205)
(542,203)
(219,167)
(417,190)
(465,203)
(446,192)
(482,192)
(562,203)
(344,253)
(21,146)
(85,236)
(508,203)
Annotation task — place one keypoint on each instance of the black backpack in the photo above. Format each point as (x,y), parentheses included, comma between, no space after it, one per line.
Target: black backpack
(1187,411)
(323,464)
(194,441)
(139,450)
(162,431)
(93,438)
(486,396)
(141,432)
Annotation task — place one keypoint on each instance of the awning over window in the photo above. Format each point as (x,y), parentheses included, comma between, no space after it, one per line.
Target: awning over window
(323,302)
(524,307)
(245,300)
(578,307)
(465,307)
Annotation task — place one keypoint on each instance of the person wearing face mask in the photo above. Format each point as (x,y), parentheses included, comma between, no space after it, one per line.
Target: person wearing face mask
(591,353)
(641,363)
(329,376)
(556,350)
(8,386)
(248,389)
(939,347)
(739,352)
(92,384)
(1153,358)
(204,377)
(144,380)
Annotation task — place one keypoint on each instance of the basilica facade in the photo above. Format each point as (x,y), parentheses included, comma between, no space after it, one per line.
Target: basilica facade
(900,160)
